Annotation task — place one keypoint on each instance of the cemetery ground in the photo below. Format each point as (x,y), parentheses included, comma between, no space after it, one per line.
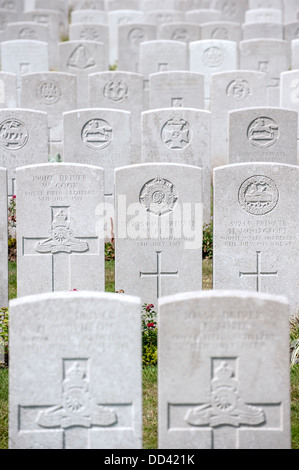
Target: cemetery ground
(150,386)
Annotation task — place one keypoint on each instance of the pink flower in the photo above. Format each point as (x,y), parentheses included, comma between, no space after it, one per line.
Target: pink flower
(14,197)
(150,325)
(149,307)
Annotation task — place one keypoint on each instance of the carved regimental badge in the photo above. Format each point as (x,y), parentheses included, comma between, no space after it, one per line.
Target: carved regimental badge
(258,195)
(97,134)
(176,134)
(213,57)
(116,90)
(238,89)
(48,92)
(78,408)
(225,407)
(13,134)
(263,132)
(158,196)
(62,239)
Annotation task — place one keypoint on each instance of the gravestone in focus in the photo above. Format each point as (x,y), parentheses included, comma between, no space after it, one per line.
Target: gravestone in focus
(158,222)
(224,371)
(180,135)
(263,134)
(67,358)
(259,232)
(58,245)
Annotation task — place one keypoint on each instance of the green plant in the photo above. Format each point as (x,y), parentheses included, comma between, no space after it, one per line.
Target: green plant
(294,337)
(12,219)
(4,322)
(207,241)
(109,251)
(149,335)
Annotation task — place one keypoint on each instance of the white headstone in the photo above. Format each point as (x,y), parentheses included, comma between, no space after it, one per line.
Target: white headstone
(84,4)
(23,141)
(24,56)
(3,242)
(263,15)
(256,227)
(115,19)
(176,89)
(229,91)
(58,245)
(158,223)
(8,90)
(27,30)
(289,95)
(228,30)
(262,30)
(123,91)
(212,56)
(269,56)
(224,371)
(203,15)
(100,137)
(53,93)
(183,31)
(277,4)
(263,135)
(82,58)
(88,16)
(67,359)
(129,38)
(180,135)
(231,10)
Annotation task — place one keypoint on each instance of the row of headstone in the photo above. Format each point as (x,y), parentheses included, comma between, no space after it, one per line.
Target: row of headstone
(214,391)
(62,220)
(206,57)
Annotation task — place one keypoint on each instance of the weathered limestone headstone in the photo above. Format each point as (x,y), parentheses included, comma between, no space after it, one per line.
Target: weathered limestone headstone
(57,239)
(123,91)
(27,30)
(224,371)
(229,91)
(277,4)
(290,10)
(231,10)
(6,17)
(180,135)
(129,38)
(23,141)
(212,56)
(67,358)
(115,19)
(176,89)
(158,226)
(51,19)
(90,32)
(263,30)
(161,56)
(263,134)
(8,90)
(88,16)
(24,56)
(13,6)
(269,56)
(260,231)
(123,4)
(289,95)
(82,58)
(53,93)
(183,31)
(84,4)
(263,15)
(100,137)
(228,30)
(3,243)
(203,15)
(159,17)
(295,60)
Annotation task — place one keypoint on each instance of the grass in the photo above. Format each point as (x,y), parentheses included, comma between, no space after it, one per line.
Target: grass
(150,392)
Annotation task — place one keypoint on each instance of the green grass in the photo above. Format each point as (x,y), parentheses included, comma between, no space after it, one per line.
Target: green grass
(150,398)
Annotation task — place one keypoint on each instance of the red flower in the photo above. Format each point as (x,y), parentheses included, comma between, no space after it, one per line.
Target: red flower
(150,325)
(14,197)
(149,307)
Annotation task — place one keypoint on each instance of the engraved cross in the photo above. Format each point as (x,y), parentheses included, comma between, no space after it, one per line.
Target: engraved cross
(61,245)
(259,273)
(159,274)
